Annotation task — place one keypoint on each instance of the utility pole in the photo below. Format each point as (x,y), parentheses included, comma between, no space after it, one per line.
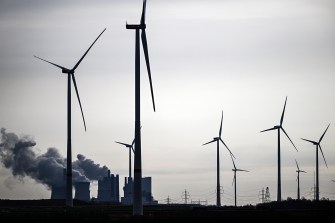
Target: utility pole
(185,196)
(267,195)
(168,200)
(261,195)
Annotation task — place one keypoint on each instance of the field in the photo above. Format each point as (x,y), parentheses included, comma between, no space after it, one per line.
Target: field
(53,210)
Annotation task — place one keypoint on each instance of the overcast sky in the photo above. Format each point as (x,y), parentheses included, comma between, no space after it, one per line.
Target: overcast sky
(242,57)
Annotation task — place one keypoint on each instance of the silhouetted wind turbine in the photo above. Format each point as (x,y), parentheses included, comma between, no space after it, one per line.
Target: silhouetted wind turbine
(137,204)
(317,144)
(217,140)
(298,178)
(70,74)
(280,127)
(131,148)
(234,180)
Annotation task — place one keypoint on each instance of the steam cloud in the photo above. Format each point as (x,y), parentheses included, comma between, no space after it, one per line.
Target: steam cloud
(18,155)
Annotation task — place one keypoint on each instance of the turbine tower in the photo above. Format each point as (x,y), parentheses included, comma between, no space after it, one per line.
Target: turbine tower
(317,144)
(280,127)
(137,203)
(234,180)
(70,74)
(298,178)
(217,140)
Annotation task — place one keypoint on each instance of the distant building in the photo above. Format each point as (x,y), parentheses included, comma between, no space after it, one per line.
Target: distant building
(82,191)
(147,198)
(108,189)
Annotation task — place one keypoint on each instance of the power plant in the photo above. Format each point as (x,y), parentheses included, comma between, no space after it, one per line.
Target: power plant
(108,189)
(147,198)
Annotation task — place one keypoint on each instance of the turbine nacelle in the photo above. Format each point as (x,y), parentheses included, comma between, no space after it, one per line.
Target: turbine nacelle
(67,71)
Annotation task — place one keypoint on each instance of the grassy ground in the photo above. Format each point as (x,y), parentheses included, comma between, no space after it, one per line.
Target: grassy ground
(48,210)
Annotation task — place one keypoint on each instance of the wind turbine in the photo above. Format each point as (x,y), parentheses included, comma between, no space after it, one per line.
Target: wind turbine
(234,180)
(298,178)
(137,203)
(317,144)
(280,127)
(131,148)
(217,140)
(70,74)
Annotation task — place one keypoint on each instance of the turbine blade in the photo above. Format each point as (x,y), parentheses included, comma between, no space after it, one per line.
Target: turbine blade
(143,12)
(310,141)
(127,145)
(233,161)
(296,163)
(227,148)
(282,115)
(289,138)
(221,125)
(77,64)
(269,129)
(51,63)
(324,133)
(242,170)
(132,144)
(146,54)
(234,178)
(81,109)
(303,171)
(323,156)
(209,142)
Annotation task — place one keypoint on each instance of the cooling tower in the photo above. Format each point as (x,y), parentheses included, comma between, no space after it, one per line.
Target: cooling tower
(82,191)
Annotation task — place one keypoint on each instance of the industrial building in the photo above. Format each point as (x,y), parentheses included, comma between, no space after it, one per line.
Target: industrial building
(147,198)
(108,189)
